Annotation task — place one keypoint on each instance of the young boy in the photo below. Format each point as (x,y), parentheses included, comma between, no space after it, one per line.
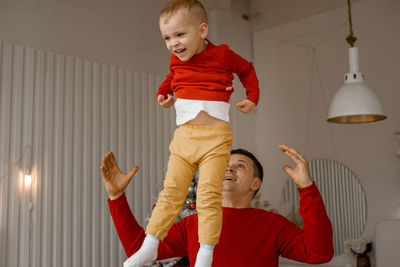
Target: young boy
(201,76)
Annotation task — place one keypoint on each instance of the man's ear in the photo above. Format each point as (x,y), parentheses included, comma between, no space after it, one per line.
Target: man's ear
(203,30)
(256,184)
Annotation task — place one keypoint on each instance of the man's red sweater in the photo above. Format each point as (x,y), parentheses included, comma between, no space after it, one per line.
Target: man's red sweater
(249,237)
(209,75)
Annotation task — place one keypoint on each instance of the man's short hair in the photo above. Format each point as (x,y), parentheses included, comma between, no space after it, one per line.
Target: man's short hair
(258,169)
(194,7)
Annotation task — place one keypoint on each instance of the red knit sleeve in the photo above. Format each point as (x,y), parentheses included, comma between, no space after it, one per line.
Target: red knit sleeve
(129,231)
(314,244)
(247,74)
(132,234)
(165,87)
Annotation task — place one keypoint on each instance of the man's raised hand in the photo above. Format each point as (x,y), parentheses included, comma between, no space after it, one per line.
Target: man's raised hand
(115,181)
(301,172)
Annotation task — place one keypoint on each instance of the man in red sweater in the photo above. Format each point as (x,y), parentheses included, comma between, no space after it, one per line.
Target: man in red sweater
(249,237)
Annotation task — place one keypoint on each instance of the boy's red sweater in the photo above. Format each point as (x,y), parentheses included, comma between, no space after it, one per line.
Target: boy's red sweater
(209,76)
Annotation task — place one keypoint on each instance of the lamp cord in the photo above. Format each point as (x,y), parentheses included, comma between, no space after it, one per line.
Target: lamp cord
(351,39)
(315,64)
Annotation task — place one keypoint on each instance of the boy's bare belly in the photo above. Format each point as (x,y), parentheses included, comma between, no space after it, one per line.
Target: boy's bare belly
(203,118)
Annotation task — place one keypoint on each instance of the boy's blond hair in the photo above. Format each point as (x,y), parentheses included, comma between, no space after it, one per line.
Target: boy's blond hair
(194,7)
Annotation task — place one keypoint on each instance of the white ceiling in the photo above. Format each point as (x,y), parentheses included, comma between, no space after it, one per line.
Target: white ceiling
(267,13)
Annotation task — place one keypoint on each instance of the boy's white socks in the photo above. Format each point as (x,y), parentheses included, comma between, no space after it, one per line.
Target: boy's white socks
(204,255)
(146,254)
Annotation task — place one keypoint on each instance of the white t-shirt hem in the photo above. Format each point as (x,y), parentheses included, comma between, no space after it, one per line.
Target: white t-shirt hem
(188,109)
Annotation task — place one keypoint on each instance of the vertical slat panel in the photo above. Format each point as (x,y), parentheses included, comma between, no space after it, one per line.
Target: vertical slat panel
(63,114)
(67,151)
(123,146)
(145,141)
(123,141)
(336,208)
(58,133)
(37,158)
(14,221)
(27,124)
(77,178)
(160,145)
(139,179)
(130,159)
(121,116)
(152,137)
(87,125)
(131,143)
(105,144)
(96,141)
(350,219)
(5,164)
(48,162)
(166,137)
(109,245)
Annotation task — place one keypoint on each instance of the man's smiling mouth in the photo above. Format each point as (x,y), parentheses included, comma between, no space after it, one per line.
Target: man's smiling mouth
(230,178)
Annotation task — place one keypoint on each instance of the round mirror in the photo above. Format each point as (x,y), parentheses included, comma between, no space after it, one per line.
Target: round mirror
(344,199)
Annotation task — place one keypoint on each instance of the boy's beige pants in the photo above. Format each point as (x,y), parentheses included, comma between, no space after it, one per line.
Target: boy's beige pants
(203,147)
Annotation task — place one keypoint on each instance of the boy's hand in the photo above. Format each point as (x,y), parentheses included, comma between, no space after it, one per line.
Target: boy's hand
(245,106)
(165,103)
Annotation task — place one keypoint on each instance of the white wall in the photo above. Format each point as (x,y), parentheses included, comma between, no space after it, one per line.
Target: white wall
(123,32)
(296,98)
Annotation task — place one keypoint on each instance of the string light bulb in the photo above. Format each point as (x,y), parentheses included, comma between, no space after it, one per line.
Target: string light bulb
(28,180)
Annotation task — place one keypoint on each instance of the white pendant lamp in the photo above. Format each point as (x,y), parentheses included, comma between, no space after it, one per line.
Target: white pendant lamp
(355,102)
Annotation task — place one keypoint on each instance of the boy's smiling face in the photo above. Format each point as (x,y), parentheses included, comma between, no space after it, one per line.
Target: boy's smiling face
(184,36)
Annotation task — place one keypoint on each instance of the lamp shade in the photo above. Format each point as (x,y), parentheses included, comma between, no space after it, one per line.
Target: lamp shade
(355,102)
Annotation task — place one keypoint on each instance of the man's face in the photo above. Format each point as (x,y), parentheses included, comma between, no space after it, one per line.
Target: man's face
(184,37)
(239,175)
